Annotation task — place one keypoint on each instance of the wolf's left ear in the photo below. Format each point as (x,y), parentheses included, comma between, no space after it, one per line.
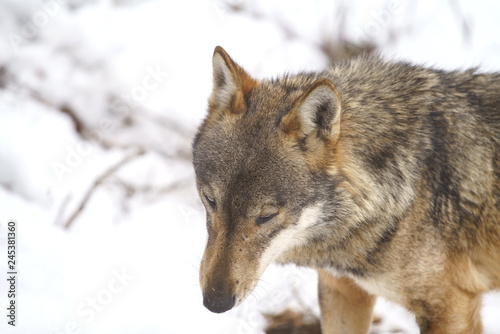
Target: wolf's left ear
(230,83)
(316,112)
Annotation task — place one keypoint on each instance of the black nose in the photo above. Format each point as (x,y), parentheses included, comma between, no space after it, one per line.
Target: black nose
(218,303)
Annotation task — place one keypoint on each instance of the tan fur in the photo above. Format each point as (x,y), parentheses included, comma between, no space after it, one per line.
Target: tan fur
(345,307)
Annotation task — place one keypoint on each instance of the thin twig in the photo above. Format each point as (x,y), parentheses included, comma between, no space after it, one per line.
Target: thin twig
(62,209)
(113,169)
(150,191)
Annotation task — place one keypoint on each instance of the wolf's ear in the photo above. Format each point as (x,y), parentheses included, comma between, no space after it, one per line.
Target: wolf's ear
(317,111)
(230,84)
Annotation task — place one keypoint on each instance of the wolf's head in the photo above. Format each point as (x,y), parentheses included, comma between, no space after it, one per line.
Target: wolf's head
(263,162)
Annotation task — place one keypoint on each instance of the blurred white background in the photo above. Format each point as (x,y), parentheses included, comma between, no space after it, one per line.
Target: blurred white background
(99,101)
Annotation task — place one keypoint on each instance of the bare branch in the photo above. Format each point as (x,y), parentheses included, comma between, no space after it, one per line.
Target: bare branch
(62,209)
(113,169)
(464,23)
(150,190)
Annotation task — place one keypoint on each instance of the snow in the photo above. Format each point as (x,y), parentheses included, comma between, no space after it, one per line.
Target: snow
(129,263)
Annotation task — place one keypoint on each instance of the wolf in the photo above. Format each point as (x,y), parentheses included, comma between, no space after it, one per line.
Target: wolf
(382,176)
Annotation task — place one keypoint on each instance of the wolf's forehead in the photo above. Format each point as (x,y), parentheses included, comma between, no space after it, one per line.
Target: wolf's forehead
(219,153)
(240,162)
(273,95)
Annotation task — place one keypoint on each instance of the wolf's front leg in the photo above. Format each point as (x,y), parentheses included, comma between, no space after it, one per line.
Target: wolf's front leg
(345,307)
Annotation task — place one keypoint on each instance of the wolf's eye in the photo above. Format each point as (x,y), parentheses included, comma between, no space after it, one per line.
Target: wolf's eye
(264,219)
(211,202)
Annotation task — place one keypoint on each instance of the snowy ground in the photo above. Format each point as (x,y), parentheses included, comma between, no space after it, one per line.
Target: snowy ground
(137,74)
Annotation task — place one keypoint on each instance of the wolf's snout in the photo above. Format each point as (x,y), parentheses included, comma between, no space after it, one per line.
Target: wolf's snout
(217,302)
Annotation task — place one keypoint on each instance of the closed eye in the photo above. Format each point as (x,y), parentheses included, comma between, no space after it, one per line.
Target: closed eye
(264,219)
(211,202)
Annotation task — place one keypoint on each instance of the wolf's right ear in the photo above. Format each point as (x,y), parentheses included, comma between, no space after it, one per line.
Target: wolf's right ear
(230,84)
